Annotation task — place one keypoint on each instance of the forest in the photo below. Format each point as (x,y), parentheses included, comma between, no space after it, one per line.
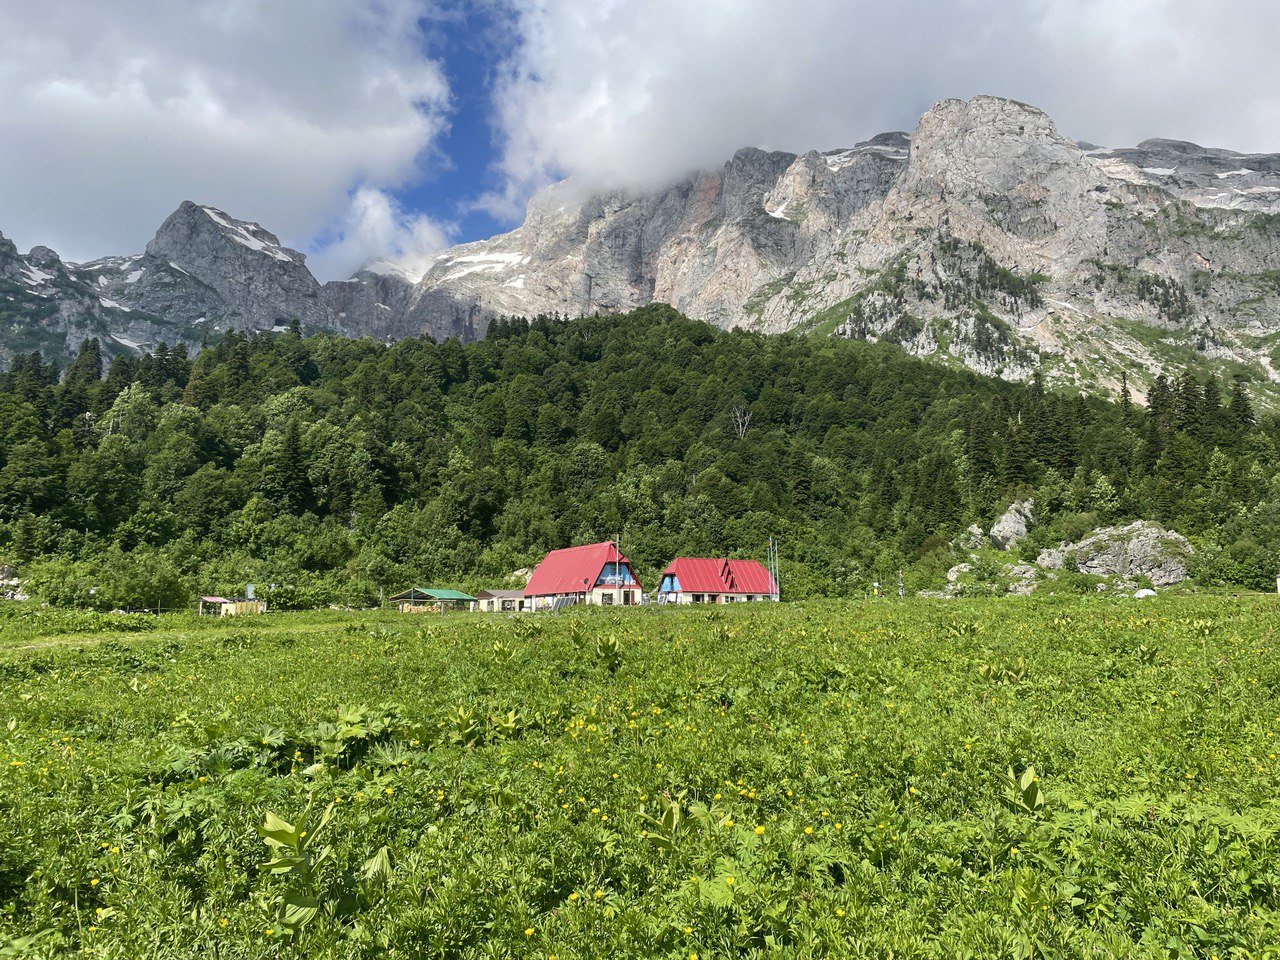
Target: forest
(327,470)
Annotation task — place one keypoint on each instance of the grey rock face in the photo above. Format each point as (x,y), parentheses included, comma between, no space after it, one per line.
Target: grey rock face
(1012,525)
(374,302)
(985,239)
(258,280)
(1138,549)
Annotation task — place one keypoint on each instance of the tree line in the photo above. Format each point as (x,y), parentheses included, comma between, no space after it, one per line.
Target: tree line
(328,469)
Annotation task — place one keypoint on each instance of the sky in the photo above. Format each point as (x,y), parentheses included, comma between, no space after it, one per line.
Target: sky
(363,129)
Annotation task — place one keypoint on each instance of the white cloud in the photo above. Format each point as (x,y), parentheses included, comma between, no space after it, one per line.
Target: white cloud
(287,112)
(618,93)
(377,228)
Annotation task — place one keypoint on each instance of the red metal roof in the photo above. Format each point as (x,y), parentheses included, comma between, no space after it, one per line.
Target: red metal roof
(710,575)
(562,571)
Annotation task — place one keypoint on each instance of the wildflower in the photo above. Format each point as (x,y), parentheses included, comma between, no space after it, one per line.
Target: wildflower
(729,881)
(574,895)
(269,931)
(839,912)
(528,931)
(759,831)
(93,882)
(808,831)
(222,921)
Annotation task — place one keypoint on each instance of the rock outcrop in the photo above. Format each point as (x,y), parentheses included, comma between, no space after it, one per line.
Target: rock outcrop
(1138,549)
(1012,525)
(10,585)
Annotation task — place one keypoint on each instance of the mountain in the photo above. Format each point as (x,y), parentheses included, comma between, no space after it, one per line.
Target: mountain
(204,272)
(985,238)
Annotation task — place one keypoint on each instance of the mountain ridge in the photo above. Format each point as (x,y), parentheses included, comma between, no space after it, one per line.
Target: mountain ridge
(984,238)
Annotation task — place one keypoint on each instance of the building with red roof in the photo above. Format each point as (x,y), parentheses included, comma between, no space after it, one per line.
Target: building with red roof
(596,573)
(710,580)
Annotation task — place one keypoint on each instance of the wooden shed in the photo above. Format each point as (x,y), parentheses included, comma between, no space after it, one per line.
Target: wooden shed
(213,606)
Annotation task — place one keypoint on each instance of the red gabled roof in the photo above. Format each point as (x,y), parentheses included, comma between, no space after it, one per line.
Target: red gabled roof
(562,571)
(709,575)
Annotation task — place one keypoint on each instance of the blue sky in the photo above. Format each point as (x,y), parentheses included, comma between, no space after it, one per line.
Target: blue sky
(469,46)
(388,129)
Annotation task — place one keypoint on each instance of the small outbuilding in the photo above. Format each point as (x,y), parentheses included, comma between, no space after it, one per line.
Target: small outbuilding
(711,580)
(500,601)
(212,606)
(595,573)
(423,600)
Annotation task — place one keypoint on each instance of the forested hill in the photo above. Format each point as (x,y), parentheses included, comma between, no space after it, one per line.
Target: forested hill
(334,467)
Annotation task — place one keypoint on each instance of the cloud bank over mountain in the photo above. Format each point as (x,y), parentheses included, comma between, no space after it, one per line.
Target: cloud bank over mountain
(619,93)
(294,113)
(328,122)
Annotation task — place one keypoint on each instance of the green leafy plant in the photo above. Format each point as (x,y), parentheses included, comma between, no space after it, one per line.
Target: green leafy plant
(1021,792)
(296,855)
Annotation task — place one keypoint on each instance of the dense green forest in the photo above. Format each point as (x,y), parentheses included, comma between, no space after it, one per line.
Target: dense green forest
(333,468)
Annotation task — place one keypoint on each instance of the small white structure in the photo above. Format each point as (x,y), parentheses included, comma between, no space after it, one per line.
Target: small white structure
(500,601)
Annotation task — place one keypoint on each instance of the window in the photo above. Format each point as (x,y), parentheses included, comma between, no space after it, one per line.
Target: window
(606,599)
(628,598)
(699,598)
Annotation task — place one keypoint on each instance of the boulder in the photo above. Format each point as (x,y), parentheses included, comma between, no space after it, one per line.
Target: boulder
(1138,549)
(1144,593)
(1019,579)
(973,538)
(1013,524)
(1023,578)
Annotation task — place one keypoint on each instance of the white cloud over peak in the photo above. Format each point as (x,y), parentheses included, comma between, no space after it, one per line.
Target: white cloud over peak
(376,227)
(625,94)
(288,112)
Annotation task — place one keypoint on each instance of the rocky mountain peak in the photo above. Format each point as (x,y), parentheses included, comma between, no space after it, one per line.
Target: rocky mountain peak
(193,225)
(989,145)
(44,258)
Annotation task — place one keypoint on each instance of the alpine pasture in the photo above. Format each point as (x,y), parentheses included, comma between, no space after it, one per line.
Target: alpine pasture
(1011,777)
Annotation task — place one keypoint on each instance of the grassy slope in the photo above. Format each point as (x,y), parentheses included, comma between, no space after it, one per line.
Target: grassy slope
(145,760)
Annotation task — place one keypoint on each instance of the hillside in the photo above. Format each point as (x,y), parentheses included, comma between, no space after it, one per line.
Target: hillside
(334,468)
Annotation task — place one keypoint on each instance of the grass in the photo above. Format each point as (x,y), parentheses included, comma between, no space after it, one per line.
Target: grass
(1039,777)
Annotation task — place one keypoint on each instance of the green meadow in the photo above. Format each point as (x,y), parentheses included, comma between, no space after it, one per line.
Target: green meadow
(976,778)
